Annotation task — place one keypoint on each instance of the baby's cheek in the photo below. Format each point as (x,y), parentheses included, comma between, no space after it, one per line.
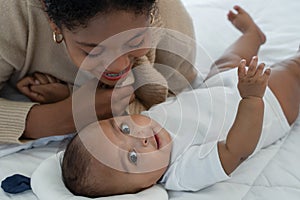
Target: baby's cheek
(165,155)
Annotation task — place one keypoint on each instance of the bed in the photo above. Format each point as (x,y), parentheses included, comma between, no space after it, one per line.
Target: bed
(274,173)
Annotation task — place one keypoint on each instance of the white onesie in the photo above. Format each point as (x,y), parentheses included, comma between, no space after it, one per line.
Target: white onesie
(198,119)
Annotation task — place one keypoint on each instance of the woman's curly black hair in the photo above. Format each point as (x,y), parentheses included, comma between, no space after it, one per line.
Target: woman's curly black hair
(74,13)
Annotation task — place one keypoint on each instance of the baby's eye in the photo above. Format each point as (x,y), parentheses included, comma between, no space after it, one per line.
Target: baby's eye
(125,129)
(132,156)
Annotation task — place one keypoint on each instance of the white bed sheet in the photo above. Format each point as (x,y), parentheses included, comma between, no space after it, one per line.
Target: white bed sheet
(274,173)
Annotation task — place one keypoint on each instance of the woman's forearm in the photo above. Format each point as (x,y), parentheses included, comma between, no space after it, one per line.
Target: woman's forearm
(49,119)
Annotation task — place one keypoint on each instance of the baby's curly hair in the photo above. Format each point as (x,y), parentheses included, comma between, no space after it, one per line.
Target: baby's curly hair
(76,13)
(78,171)
(75,167)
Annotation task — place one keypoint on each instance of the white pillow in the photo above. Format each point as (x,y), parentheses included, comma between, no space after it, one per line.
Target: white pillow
(47,184)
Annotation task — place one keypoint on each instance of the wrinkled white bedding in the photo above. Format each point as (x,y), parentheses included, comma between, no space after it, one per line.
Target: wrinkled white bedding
(271,174)
(274,173)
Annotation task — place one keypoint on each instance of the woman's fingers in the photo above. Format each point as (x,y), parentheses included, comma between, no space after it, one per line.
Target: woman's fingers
(24,86)
(44,78)
(51,79)
(40,78)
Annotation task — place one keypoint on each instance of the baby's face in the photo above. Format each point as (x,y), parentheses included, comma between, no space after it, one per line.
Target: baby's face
(135,146)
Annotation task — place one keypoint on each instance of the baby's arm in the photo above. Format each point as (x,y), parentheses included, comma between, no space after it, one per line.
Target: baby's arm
(246,129)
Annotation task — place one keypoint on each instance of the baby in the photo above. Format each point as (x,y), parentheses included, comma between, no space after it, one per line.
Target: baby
(196,139)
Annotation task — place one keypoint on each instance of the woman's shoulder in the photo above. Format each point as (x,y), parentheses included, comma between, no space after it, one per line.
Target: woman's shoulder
(18,7)
(35,3)
(172,11)
(18,17)
(14,21)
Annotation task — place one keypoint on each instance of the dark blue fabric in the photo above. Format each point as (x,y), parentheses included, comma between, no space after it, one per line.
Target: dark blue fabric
(16,184)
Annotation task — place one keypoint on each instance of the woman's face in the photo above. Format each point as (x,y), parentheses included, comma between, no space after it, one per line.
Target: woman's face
(109,44)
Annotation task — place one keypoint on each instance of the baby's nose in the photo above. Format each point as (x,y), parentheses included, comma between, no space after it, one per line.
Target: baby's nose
(145,142)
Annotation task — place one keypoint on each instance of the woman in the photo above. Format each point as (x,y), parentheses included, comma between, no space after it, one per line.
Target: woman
(27,49)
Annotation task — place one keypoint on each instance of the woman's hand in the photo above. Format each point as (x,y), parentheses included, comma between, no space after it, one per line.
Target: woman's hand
(43,88)
(91,103)
(85,105)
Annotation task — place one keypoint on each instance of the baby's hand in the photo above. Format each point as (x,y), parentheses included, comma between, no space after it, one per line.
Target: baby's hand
(43,88)
(252,82)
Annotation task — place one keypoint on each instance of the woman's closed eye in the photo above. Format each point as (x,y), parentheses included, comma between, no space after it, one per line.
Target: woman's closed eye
(95,52)
(134,45)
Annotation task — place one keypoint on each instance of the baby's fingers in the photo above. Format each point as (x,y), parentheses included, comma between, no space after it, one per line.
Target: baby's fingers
(242,69)
(252,67)
(231,15)
(259,70)
(266,75)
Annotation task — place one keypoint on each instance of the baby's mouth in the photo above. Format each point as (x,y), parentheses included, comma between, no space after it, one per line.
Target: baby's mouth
(115,76)
(157,140)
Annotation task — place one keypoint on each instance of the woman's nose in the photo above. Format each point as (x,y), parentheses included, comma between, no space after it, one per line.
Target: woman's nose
(119,64)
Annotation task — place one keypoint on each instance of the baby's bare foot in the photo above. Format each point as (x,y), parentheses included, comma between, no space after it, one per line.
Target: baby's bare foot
(243,22)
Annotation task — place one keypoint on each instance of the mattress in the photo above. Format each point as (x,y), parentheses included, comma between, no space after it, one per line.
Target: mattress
(274,173)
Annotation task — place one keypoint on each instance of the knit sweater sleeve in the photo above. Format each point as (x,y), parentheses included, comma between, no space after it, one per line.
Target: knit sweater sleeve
(13,40)
(176,50)
(12,113)
(168,68)
(12,120)
(150,86)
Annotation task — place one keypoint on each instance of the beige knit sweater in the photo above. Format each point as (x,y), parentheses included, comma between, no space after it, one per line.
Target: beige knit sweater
(26,46)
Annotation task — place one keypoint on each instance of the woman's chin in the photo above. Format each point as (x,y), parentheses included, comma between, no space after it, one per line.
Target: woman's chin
(103,82)
(107,82)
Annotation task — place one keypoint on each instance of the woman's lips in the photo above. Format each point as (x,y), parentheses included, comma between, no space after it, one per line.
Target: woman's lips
(112,76)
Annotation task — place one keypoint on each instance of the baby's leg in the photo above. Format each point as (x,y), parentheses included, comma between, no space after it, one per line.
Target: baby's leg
(285,84)
(245,47)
